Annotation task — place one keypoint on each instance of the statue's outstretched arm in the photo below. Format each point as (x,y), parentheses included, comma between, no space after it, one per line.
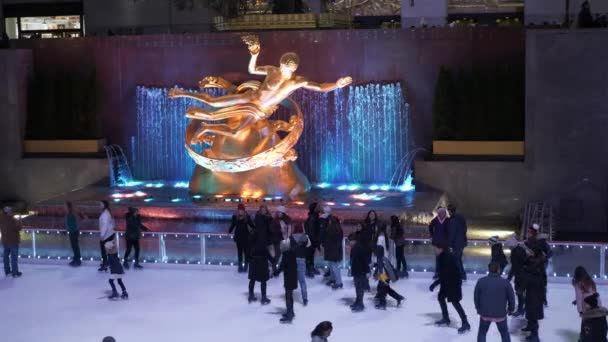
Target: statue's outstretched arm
(253,44)
(326,87)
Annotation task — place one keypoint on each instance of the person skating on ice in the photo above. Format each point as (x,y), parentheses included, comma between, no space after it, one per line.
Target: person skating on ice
(534,278)
(584,286)
(106,232)
(449,281)
(333,238)
(538,241)
(594,326)
(398,237)
(71,226)
(385,273)
(300,243)
(9,229)
(457,232)
(312,227)
(241,222)
(116,271)
(289,268)
(359,269)
(497,253)
(518,259)
(133,235)
(494,300)
(262,222)
(258,263)
(439,232)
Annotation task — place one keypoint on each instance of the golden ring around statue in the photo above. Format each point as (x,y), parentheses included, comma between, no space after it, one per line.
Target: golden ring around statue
(274,156)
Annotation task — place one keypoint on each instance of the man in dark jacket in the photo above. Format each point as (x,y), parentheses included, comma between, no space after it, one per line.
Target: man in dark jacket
(10,228)
(457,232)
(359,270)
(312,228)
(534,278)
(332,247)
(439,232)
(533,242)
(494,298)
(518,259)
(289,266)
(450,287)
(594,326)
(241,222)
(133,234)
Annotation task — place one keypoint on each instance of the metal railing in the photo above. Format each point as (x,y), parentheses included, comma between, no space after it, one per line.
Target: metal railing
(219,249)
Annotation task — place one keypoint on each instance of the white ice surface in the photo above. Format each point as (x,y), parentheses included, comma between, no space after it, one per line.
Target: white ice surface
(56,303)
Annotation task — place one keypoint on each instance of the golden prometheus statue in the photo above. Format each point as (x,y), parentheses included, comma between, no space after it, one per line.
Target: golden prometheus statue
(247,157)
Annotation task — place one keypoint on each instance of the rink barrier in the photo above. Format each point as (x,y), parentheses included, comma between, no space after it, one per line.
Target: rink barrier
(219,249)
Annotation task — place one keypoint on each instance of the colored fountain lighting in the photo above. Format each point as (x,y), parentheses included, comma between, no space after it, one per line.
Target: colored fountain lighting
(267,198)
(330,203)
(219,196)
(197,196)
(323,185)
(374,187)
(140,194)
(175,200)
(342,187)
(148,199)
(345,204)
(117,195)
(183,185)
(353,187)
(298,203)
(117,200)
(363,197)
(129,195)
(278,197)
(385,187)
(359,204)
(131,184)
(227,200)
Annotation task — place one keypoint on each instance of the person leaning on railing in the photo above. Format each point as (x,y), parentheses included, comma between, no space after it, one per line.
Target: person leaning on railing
(10,228)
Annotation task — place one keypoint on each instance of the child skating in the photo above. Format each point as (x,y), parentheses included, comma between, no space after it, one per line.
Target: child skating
(116,271)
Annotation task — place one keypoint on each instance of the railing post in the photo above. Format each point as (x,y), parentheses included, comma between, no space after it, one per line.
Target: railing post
(34,243)
(603,261)
(204,249)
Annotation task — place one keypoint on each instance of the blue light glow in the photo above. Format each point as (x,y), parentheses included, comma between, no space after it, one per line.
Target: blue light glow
(323,185)
(175,200)
(197,196)
(374,187)
(148,199)
(117,200)
(342,187)
(183,185)
(385,187)
(353,187)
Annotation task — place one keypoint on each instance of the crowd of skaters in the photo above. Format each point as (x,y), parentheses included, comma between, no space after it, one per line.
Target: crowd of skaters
(273,244)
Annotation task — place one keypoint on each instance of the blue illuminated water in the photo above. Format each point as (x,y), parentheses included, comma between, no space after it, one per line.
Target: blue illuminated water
(355,135)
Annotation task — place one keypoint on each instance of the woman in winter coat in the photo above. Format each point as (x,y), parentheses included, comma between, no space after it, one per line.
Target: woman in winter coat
(300,242)
(533,274)
(312,227)
(398,236)
(497,253)
(259,260)
(289,268)
(322,332)
(584,287)
(262,222)
(106,232)
(241,222)
(385,273)
(332,247)
(594,327)
(133,235)
(518,260)
(450,287)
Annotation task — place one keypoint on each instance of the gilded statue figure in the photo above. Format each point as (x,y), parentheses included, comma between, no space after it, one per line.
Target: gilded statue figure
(246,155)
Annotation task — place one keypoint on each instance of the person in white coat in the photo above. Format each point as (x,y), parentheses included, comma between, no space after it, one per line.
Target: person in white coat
(106,232)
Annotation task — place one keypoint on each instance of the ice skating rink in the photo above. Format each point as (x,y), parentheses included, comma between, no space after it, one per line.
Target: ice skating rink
(57,303)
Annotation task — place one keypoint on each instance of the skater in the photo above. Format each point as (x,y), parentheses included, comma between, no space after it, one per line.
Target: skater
(594,327)
(241,222)
(259,260)
(381,239)
(457,232)
(438,230)
(584,286)
(300,243)
(536,241)
(289,268)
(10,228)
(369,232)
(398,236)
(106,232)
(333,237)
(450,287)
(494,299)
(275,238)
(497,253)
(518,259)
(385,273)
(534,278)
(116,271)
(71,226)
(262,222)
(359,269)
(322,332)
(133,235)
(312,227)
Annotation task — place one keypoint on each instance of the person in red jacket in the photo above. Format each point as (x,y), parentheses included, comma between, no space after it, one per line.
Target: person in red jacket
(10,228)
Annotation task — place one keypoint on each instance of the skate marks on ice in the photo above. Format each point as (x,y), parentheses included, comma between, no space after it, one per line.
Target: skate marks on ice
(568,335)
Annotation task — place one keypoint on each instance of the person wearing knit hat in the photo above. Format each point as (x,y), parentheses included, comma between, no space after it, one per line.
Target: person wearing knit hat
(241,224)
(498,254)
(312,227)
(116,270)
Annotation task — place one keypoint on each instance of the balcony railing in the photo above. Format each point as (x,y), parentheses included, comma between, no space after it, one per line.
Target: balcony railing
(219,249)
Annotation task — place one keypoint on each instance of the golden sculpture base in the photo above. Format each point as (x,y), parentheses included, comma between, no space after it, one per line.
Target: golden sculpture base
(286,180)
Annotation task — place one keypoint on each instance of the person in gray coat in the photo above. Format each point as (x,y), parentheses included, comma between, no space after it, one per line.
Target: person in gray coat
(494,298)
(457,237)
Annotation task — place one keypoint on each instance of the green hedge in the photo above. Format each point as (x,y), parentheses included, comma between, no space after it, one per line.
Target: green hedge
(63,105)
(480,104)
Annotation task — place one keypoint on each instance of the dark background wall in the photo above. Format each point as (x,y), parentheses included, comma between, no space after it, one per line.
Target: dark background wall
(412,57)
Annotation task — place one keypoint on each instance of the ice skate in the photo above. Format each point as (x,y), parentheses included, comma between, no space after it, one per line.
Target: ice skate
(464,328)
(337,287)
(17,274)
(124,295)
(102,268)
(138,266)
(252,299)
(357,307)
(443,321)
(287,318)
(330,283)
(518,313)
(114,295)
(265,301)
(125,264)
(381,305)
(305,302)
(401,299)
